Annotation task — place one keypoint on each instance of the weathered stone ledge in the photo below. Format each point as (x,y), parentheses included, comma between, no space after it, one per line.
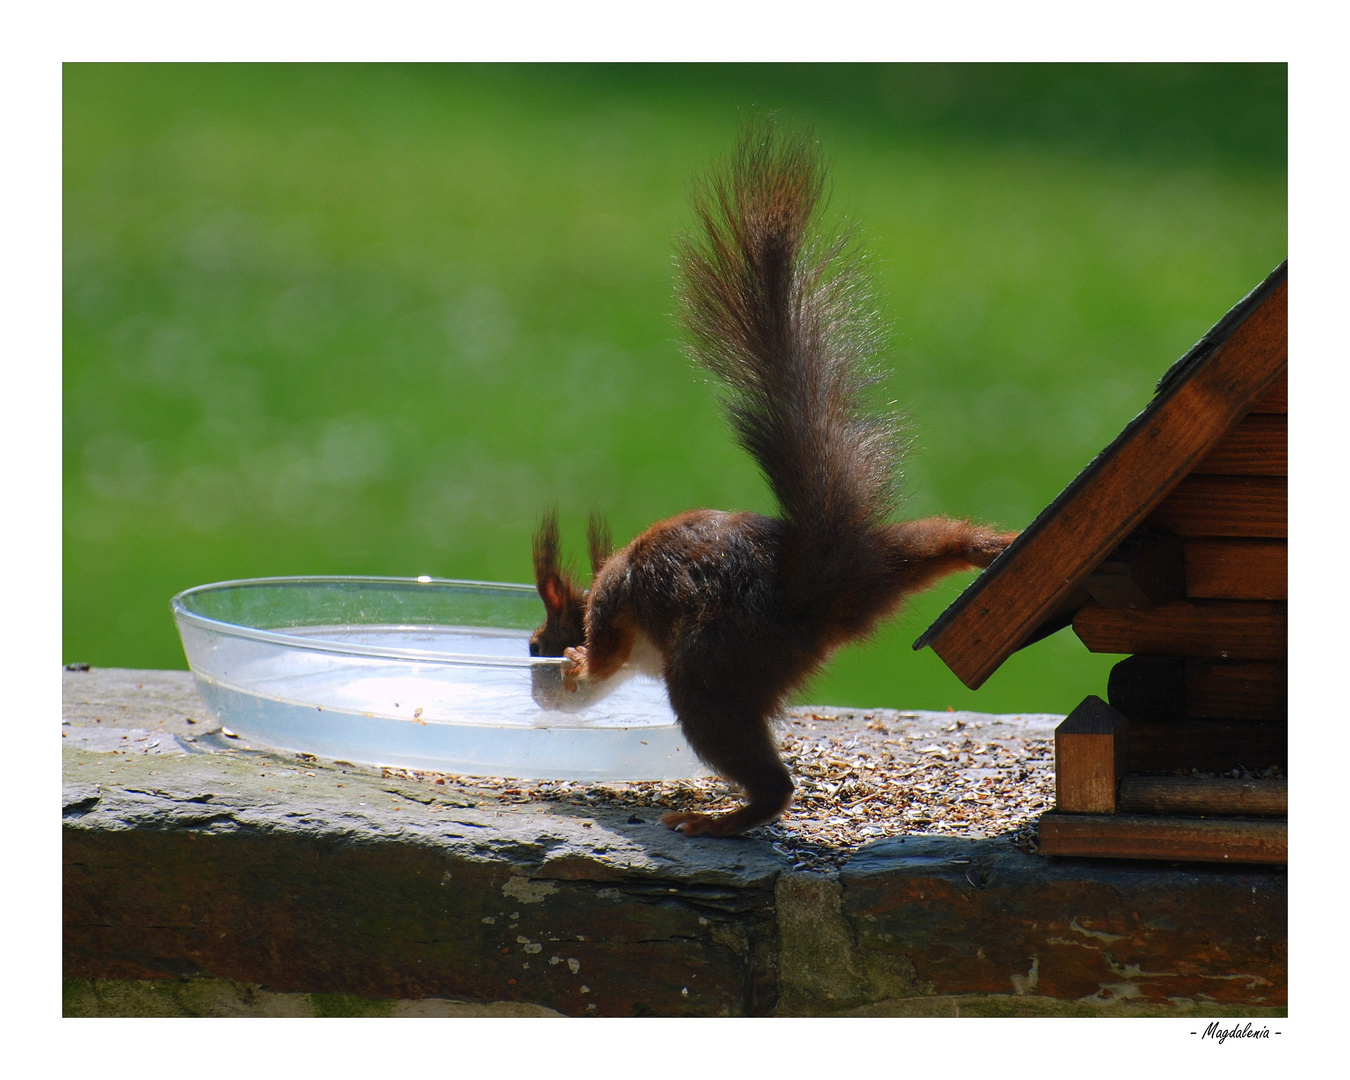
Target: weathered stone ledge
(205,882)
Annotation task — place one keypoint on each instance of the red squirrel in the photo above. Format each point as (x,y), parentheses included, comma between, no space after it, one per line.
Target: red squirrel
(736,610)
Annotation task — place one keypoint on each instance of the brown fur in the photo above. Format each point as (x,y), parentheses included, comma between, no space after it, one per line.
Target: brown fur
(743,608)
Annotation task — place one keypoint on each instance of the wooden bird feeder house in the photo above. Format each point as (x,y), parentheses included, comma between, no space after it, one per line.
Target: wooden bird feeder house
(1171,546)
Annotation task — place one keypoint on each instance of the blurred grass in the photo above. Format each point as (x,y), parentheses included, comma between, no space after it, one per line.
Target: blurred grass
(369,320)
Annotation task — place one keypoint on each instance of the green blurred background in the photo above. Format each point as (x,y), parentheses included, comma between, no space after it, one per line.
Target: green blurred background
(370,320)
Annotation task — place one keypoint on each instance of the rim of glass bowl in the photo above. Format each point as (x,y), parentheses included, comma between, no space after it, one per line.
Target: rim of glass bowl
(310,644)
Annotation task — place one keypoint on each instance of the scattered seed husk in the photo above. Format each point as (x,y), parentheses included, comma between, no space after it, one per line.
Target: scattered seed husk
(860,776)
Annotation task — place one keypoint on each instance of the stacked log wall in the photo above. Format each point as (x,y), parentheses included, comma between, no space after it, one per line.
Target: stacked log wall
(1206,686)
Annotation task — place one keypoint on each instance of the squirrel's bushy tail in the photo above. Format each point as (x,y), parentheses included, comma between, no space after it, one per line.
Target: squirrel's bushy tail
(782,312)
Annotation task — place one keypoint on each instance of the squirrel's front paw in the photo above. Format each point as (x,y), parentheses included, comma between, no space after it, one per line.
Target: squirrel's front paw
(573,668)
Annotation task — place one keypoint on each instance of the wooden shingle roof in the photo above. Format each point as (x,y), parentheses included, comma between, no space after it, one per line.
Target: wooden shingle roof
(1036,584)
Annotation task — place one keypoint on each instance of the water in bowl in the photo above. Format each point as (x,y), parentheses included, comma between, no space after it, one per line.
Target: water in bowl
(487,719)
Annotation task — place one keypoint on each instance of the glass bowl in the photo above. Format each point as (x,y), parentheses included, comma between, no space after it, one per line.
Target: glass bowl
(417,674)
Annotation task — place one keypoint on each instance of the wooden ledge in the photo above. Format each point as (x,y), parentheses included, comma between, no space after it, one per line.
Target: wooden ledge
(1137,836)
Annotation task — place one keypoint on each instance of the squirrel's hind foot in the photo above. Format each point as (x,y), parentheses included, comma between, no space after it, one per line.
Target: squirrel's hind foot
(694,823)
(988,545)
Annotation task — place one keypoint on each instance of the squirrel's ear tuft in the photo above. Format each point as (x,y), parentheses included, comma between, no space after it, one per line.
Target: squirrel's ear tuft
(546,548)
(599,540)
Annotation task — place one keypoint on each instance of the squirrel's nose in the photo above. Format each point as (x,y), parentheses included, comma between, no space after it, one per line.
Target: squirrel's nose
(534,648)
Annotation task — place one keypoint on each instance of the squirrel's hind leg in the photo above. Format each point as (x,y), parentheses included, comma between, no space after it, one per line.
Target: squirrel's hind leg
(738,745)
(927,550)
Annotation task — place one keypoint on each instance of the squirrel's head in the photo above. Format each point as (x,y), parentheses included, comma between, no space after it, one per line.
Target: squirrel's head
(564,623)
